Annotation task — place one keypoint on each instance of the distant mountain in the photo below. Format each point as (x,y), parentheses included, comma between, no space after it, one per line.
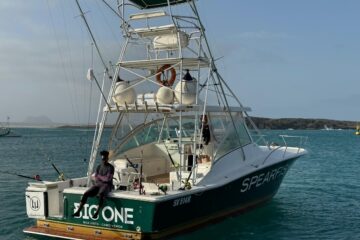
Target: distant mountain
(39,120)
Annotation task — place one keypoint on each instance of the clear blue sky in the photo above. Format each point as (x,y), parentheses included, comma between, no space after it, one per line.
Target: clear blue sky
(283,58)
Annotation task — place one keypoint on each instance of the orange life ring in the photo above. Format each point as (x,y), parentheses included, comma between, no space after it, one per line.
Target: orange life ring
(166,82)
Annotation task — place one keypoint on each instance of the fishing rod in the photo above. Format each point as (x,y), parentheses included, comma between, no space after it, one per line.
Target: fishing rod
(187,184)
(61,174)
(131,164)
(141,172)
(172,161)
(35,177)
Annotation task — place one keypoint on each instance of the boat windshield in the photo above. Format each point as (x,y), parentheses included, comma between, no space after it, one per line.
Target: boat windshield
(156,131)
(225,135)
(223,138)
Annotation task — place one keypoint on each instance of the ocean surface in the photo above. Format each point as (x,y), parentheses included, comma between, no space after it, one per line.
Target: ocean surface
(318,199)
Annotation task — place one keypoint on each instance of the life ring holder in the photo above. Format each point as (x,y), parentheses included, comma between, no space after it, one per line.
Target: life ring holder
(167,82)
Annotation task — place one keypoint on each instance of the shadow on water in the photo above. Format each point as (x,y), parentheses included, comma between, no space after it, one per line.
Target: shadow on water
(259,223)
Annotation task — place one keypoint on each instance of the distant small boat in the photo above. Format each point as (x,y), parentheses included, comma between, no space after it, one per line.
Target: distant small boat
(327,128)
(357,132)
(5,130)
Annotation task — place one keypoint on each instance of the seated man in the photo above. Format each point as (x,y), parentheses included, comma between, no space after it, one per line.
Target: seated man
(103,184)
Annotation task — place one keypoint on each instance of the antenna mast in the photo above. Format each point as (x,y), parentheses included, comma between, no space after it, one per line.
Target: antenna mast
(82,14)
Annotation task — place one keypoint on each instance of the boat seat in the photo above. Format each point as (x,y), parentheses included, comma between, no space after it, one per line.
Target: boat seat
(154,31)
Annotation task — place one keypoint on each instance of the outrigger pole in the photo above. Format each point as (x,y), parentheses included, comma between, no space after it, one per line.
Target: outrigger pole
(214,69)
(98,133)
(91,75)
(92,37)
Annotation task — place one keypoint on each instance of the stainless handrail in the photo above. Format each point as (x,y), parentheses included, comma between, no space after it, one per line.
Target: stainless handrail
(302,141)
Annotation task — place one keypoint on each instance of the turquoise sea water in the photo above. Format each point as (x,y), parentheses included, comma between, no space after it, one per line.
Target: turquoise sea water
(318,199)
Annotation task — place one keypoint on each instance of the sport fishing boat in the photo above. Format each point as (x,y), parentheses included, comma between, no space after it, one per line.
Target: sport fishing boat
(184,148)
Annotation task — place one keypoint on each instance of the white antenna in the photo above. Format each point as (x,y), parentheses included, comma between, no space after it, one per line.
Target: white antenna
(90,75)
(82,14)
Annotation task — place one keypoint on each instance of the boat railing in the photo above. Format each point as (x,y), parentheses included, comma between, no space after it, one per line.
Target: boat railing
(289,140)
(157,33)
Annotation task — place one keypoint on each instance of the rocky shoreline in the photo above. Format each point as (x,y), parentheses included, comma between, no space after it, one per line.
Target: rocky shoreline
(261,123)
(301,123)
